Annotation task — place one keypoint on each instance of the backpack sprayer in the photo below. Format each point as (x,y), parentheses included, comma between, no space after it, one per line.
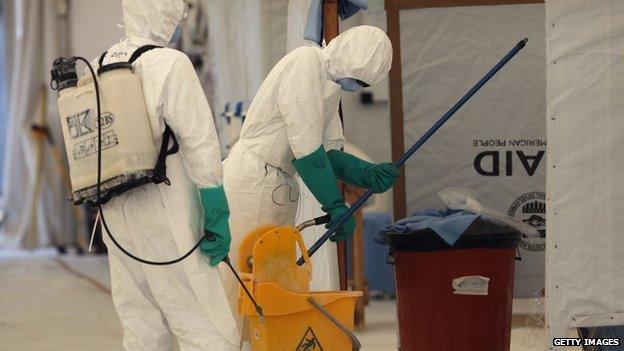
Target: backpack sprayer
(132,158)
(420,142)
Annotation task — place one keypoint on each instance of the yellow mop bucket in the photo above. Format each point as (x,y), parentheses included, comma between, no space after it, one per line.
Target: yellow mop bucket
(294,318)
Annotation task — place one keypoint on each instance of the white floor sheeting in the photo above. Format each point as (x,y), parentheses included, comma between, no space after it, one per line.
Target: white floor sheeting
(51,303)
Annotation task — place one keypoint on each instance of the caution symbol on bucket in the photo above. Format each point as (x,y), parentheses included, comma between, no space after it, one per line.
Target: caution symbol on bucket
(309,342)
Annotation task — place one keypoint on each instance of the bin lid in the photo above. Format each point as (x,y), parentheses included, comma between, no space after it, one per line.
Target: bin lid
(481,233)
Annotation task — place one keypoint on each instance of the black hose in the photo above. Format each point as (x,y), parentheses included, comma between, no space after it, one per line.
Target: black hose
(207,235)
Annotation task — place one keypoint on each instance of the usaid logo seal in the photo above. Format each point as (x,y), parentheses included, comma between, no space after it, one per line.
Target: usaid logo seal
(530,208)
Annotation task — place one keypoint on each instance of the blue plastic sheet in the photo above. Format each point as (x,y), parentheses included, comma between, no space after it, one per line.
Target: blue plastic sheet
(348,8)
(314,22)
(448,224)
(379,274)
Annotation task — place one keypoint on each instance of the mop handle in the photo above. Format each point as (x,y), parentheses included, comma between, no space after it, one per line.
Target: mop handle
(354,207)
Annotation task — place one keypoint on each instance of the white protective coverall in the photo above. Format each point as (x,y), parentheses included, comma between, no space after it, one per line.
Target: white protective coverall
(293,113)
(159,222)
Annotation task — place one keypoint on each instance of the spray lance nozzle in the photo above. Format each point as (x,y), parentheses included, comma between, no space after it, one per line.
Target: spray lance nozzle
(63,73)
(209,236)
(315,221)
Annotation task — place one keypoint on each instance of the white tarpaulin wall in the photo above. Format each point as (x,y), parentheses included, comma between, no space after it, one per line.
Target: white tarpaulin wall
(495,144)
(585,75)
(246,38)
(34,197)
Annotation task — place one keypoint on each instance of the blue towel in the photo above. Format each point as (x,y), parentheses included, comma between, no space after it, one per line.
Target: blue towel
(448,224)
(314,22)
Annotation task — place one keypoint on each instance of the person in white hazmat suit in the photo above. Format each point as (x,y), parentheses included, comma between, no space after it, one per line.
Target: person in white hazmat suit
(184,301)
(289,127)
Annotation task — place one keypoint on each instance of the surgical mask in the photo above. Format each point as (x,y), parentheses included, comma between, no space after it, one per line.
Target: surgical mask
(176,35)
(350,84)
(178,32)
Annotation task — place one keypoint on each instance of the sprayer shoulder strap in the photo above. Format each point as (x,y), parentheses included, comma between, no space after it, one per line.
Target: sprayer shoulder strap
(101,60)
(140,51)
(160,171)
(135,55)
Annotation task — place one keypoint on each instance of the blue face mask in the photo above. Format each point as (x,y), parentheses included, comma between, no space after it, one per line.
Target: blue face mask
(176,35)
(350,84)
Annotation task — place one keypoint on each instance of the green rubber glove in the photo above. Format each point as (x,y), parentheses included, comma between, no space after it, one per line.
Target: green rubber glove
(378,177)
(216,216)
(316,172)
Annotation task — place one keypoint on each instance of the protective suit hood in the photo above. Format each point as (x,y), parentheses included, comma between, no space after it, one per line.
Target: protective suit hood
(151,21)
(362,52)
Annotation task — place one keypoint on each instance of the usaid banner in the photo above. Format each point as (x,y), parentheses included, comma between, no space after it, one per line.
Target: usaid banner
(503,158)
(496,144)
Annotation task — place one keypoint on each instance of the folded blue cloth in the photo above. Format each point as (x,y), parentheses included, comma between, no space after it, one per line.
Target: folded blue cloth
(314,22)
(448,224)
(348,8)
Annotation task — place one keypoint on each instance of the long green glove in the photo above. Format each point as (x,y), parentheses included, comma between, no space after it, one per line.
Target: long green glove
(350,169)
(316,172)
(216,216)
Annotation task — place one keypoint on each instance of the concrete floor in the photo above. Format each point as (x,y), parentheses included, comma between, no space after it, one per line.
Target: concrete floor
(51,303)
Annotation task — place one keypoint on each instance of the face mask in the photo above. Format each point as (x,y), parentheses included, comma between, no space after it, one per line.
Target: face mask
(350,84)
(178,32)
(176,35)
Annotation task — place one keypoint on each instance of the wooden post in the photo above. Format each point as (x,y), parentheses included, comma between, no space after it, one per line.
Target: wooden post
(331,29)
(396,110)
(41,135)
(331,26)
(32,236)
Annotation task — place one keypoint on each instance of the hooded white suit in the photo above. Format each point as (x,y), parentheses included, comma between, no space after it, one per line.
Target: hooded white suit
(160,222)
(293,113)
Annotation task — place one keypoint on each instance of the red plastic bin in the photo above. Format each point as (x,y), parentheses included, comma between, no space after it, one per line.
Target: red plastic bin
(432,317)
(473,315)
